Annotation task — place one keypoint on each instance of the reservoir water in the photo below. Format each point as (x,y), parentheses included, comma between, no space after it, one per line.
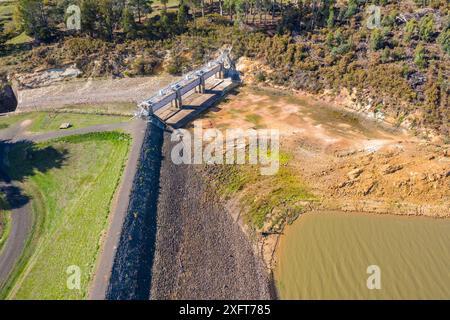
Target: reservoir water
(325,255)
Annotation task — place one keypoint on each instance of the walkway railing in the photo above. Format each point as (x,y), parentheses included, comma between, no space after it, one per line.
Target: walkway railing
(194,79)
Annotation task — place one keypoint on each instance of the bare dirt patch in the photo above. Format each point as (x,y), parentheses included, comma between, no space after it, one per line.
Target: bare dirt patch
(91,92)
(26,123)
(351,163)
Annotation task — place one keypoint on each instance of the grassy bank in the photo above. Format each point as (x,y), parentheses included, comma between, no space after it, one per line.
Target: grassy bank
(325,255)
(71,182)
(269,201)
(47,121)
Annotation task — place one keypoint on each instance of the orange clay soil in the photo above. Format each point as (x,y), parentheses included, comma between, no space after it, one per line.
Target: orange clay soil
(348,162)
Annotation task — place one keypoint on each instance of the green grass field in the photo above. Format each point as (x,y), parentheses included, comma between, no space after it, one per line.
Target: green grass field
(6,15)
(5,224)
(9,120)
(46,121)
(4,221)
(71,182)
(6,19)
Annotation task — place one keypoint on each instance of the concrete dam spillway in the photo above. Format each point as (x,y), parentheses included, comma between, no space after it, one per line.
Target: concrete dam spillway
(180,102)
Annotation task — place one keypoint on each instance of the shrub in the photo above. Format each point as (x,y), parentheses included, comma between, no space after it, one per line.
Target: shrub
(77,47)
(377,39)
(420,57)
(398,54)
(389,20)
(144,66)
(410,29)
(176,65)
(385,56)
(331,18)
(352,8)
(426,28)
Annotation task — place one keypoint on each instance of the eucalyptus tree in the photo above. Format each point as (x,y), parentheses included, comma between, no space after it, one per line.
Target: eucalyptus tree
(2,35)
(182,14)
(221,7)
(90,17)
(129,23)
(111,12)
(141,7)
(33,17)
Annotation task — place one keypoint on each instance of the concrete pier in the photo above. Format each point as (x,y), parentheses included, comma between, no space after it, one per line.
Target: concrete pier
(179,102)
(194,103)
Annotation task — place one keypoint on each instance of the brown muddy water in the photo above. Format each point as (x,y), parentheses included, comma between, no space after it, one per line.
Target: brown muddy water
(325,255)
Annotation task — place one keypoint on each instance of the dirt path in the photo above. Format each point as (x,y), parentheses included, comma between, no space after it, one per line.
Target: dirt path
(350,161)
(91,92)
(21,218)
(59,134)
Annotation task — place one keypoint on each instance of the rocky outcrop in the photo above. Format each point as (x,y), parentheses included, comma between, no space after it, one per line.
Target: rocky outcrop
(389,169)
(46,77)
(354,174)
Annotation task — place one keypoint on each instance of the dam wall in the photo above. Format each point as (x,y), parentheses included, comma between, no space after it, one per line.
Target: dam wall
(178,241)
(131,273)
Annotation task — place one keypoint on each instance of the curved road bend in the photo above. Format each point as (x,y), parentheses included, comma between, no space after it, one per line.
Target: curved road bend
(20,228)
(22,217)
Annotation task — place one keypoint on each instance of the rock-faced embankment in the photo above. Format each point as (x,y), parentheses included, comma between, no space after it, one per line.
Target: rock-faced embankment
(178,241)
(201,253)
(131,274)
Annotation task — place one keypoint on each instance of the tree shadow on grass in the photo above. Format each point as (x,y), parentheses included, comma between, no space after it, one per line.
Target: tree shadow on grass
(20,160)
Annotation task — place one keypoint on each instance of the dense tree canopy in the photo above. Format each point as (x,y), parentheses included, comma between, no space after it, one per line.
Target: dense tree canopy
(309,44)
